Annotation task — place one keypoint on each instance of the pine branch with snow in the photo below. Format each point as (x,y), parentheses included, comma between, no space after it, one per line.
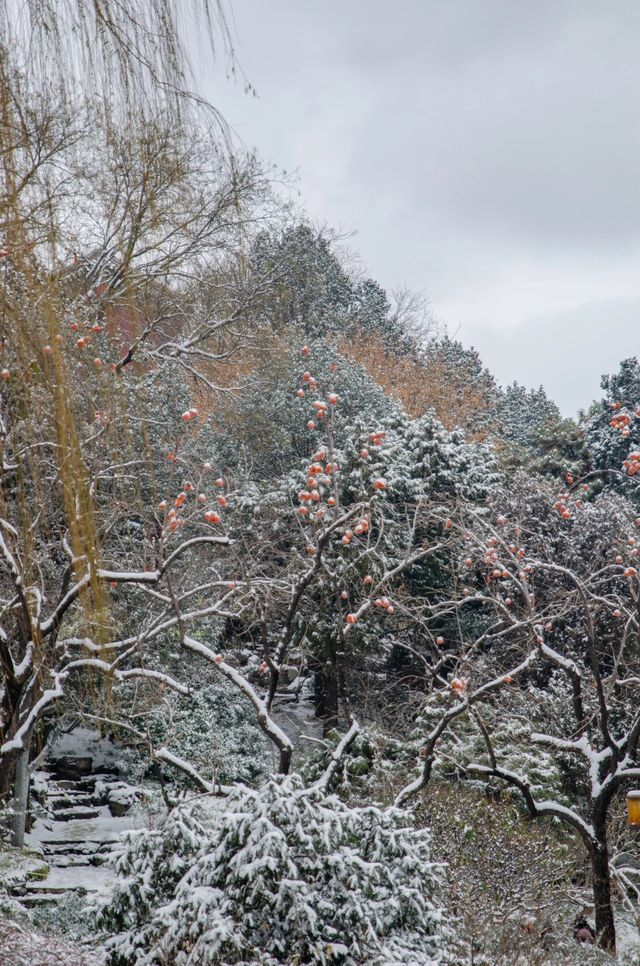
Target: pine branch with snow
(278,873)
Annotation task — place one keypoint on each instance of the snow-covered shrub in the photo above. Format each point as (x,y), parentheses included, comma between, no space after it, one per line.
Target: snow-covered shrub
(66,919)
(278,875)
(491,851)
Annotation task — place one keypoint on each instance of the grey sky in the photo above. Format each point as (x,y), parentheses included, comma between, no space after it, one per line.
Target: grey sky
(485,152)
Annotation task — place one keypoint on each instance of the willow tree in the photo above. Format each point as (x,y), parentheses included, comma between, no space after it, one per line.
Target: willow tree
(121,55)
(73,73)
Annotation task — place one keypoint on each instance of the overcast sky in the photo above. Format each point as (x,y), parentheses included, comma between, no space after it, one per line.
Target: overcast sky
(486,152)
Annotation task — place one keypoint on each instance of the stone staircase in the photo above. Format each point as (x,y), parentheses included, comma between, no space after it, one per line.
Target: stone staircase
(87,811)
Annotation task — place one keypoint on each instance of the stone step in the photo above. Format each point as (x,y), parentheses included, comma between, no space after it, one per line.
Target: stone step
(90,846)
(63,859)
(70,767)
(36,899)
(82,786)
(81,833)
(108,776)
(69,848)
(77,812)
(86,876)
(44,889)
(60,802)
(79,784)
(75,859)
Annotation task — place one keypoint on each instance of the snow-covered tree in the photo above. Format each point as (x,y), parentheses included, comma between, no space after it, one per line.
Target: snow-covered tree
(315,293)
(98,416)
(213,728)
(532,433)
(278,875)
(430,374)
(547,664)
(612,428)
(355,534)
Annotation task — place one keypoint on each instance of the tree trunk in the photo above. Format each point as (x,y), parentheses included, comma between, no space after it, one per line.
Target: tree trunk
(330,717)
(11,696)
(20,798)
(7,771)
(285,761)
(326,694)
(605,923)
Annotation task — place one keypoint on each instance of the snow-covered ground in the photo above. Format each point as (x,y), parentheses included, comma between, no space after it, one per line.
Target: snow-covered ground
(627,940)
(85,742)
(102,829)
(73,849)
(22,946)
(297,719)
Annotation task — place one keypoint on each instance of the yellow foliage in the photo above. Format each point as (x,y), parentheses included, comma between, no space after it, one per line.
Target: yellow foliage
(421,384)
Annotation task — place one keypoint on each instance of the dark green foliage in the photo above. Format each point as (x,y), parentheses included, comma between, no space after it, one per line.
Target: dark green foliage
(533,435)
(608,446)
(313,293)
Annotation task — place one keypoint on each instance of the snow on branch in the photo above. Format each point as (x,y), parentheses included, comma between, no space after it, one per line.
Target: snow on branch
(48,697)
(188,544)
(266,722)
(409,561)
(325,779)
(546,809)
(428,750)
(162,678)
(581,746)
(163,754)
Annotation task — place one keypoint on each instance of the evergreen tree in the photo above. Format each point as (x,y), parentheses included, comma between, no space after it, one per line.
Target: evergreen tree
(533,434)
(313,292)
(612,428)
(279,875)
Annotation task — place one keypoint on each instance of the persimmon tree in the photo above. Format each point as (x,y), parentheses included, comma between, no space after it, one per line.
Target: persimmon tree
(75,516)
(392,471)
(85,432)
(56,471)
(303,552)
(544,666)
(320,566)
